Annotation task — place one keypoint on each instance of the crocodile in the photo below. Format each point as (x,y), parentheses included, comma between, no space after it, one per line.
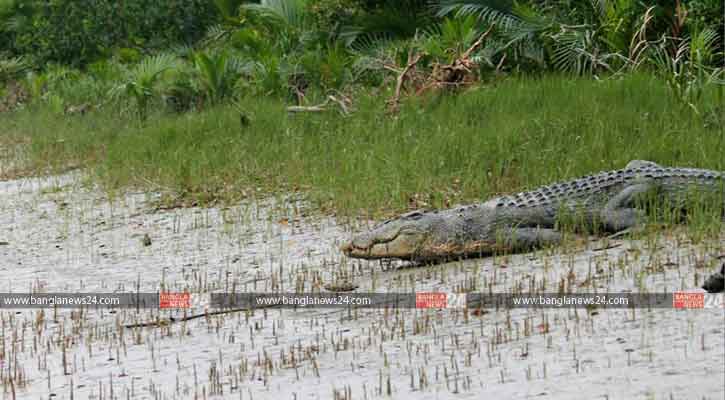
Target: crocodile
(606,202)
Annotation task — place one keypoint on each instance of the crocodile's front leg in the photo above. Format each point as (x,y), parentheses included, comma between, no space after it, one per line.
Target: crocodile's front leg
(524,239)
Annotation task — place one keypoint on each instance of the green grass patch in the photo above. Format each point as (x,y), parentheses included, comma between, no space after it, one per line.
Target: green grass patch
(514,135)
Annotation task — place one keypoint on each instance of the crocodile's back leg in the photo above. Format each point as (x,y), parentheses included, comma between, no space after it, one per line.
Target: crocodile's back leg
(621,219)
(621,213)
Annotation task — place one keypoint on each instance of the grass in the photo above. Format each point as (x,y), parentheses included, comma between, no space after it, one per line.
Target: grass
(512,135)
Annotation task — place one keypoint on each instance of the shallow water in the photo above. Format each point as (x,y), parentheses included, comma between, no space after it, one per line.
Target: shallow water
(64,236)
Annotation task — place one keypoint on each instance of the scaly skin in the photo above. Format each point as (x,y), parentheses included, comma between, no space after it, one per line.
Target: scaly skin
(609,201)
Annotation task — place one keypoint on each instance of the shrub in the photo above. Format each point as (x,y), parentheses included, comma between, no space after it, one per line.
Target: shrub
(217,73)
(331,15)
(141,82)
(12,68)
(79,32)
(327,67)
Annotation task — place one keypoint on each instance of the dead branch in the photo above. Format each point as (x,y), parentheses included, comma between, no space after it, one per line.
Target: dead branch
(394,102)
(299,94)
(170,320)
(392,68)
(317,108)
(500,63)
(341,101)
(467,54)
(457,73)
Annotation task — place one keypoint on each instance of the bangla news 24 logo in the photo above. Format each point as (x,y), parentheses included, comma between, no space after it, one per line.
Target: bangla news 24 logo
(440,300)
(698,300)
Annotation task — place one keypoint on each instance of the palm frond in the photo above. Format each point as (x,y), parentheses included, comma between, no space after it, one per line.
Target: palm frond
(141,80)
(284,13)
(571,53)
(12,68)
(228,8)
(703,45)
(150,68)
(499,12)
(394,20)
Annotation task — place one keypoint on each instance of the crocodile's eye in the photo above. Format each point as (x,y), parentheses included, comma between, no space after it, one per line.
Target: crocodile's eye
(413,215)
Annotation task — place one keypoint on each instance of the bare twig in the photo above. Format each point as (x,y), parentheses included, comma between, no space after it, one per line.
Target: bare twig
(458,72)
(394,102)
(392,68)
(500,63)
(477,44)
(299,94)
(172,320)
(317,108)
(341,101)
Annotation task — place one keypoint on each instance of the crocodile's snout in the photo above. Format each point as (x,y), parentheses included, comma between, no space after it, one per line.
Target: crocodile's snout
(346,248)
(361,246)
(363,241)
(386,244)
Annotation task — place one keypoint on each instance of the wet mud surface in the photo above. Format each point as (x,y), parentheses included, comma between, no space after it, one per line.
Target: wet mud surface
(57,234)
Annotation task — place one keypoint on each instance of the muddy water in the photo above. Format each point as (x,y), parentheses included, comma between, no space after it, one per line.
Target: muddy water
(62,235)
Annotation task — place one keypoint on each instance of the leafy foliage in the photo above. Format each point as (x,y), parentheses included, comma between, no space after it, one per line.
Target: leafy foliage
(228,9)
(216,50)
(392,19)
(452,37)
(332,15)
(327,67)
(12,68)
(499,12)
(79,32)
(140,83)
(218,73)
(683,64)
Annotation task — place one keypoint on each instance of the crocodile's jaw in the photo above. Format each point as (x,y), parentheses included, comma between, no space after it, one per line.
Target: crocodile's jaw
(404,247)
(419,248)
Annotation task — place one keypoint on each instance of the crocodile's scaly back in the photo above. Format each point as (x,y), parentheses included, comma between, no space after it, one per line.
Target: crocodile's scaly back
(591,188)
(528,219)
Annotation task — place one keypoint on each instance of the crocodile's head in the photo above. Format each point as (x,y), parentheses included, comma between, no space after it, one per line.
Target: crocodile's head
(404,237)
(421,236)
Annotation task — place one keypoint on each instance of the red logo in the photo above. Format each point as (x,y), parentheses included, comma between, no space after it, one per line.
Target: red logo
(688,300)
(430,300)
(174,300)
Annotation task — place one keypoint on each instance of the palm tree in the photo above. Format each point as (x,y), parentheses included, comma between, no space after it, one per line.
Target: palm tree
(392,20)
(141,81)
(218,72)
(12,68)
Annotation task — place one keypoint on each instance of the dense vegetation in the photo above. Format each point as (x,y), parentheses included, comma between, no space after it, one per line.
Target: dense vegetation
(190,95)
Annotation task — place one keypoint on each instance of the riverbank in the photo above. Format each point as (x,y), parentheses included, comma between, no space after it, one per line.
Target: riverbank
(498,138)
